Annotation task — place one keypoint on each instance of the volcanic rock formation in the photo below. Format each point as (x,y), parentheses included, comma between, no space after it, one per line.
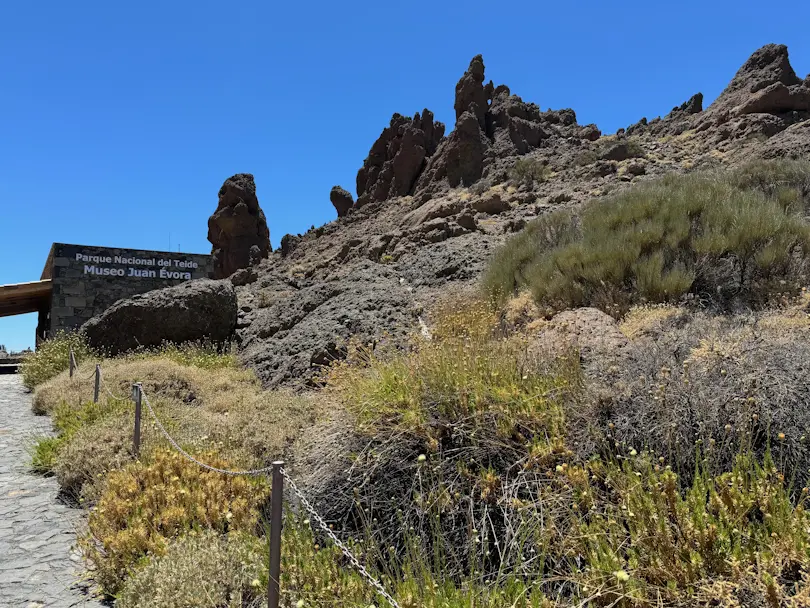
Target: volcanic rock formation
(341,199)
(237,226)
(397,157)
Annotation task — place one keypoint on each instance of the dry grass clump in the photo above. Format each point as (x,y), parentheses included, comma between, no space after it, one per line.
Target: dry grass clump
(642,320)
(202,569)
(203,401)
(447,422)
(726,237)
(52,357)
(163,496)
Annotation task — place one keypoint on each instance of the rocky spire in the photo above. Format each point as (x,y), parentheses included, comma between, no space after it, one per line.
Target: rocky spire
(237,226)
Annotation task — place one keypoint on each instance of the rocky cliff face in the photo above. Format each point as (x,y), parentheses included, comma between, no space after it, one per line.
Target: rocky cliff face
(431,209)
(238,229)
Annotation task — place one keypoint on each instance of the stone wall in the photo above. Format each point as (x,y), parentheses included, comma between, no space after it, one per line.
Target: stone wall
(87,280)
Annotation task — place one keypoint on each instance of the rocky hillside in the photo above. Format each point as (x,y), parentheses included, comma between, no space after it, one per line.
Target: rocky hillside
(431,208)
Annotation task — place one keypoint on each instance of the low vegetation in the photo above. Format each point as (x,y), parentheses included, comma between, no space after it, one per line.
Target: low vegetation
(529,171)
(542,497)
(486,469)
(724,237)
(159,498)
(52,357)
(202,397)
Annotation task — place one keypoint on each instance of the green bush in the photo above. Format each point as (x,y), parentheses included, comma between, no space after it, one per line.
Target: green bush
(45,452)
(52,357)
(528,171)
(718,236)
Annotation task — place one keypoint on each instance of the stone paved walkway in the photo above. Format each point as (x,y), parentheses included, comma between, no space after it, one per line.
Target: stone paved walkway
(38,566)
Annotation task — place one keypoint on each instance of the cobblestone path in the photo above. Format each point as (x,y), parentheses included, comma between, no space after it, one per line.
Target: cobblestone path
(38,566)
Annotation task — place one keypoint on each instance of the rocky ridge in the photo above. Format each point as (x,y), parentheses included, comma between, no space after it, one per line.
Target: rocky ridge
(431,209)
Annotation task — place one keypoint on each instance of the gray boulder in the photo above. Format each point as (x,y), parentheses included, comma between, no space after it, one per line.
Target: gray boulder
(197,310)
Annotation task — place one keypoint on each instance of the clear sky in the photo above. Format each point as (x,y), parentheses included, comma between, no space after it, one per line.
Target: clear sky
(120,120)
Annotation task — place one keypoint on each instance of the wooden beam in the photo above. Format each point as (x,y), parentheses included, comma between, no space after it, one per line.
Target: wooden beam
(21,298)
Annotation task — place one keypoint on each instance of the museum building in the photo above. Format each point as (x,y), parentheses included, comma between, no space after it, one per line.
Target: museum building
(81,281)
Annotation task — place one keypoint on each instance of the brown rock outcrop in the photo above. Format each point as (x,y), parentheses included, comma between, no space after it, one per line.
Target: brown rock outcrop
(764,97)
(237,226)
(491,124)
(397,157)
(341,199)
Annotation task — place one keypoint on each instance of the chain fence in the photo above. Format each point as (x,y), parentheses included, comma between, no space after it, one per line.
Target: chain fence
(313,514)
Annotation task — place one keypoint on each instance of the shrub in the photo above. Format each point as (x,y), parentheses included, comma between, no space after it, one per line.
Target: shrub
(743,524)
(53,356)
(529,170)
(202,569)
(44,454)
(507,269)
(729,383)
(150,502)
(67,421)
(697,234)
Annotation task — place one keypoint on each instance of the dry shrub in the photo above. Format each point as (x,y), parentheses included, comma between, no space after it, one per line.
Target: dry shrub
(728,383)
(164,496)
(202,569)
(85,458)
(445,424)
(164,378)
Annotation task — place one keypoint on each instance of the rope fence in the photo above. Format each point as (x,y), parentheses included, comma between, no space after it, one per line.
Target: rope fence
(278,476)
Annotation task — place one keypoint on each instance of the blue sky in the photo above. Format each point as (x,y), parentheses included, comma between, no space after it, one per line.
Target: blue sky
(121,120)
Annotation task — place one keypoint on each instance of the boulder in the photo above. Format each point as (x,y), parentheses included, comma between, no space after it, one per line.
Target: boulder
(341,199)
(620,150)
(237,225)
(203,309)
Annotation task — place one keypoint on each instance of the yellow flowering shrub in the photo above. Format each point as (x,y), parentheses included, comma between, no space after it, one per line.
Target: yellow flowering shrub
(150,502)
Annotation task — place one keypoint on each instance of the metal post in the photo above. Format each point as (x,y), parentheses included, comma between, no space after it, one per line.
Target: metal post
(97,385)
(276,504)
(72,360)
(136,437)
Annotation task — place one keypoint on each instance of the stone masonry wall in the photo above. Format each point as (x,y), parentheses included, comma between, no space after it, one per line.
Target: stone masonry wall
(88,280)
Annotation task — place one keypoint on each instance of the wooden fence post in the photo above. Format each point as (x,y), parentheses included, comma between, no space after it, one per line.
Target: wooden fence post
(136,436)
(72,360)
(97,384)
(276,506)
